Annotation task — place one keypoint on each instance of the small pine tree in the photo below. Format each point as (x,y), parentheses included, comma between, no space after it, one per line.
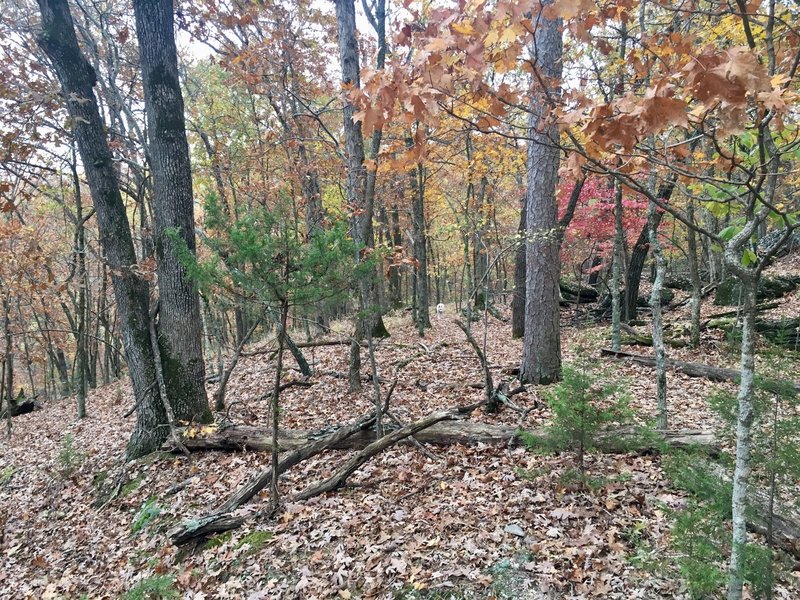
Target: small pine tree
(580,409)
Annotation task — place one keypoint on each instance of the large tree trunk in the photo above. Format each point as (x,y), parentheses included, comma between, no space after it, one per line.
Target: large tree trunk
(518,299)
(180,331)
(77,79)
(541,353)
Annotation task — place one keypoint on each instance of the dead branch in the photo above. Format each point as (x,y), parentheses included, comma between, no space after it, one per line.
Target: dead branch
(352,465)
(220,519)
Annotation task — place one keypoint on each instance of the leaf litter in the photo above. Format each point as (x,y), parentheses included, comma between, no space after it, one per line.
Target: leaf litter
(482,521)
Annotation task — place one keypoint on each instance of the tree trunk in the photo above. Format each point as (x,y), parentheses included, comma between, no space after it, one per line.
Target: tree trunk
(697,369)
(77,79)
(518,300)
(8,357)
(480,250)
(180,327)
(395,291)
(362,206)
(83,282)
(745,415)
(694,274)
(617,268)
(658,326)
(416,178)
(639,253)
(541,354)
(620,439)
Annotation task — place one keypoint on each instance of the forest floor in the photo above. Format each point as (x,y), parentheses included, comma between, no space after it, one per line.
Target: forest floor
(472,522)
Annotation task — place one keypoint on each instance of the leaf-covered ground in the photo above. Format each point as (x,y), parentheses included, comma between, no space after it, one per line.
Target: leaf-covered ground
(473,522)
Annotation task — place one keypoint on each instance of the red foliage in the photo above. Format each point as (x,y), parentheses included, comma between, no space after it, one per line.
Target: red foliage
(591,230)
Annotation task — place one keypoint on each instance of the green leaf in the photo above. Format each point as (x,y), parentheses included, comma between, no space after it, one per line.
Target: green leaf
(730,231)
(748,258)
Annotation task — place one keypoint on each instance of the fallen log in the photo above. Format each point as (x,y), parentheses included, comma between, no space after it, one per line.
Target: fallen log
(785,521)
(575,295)
(339,478)
(641,339)
(221,519)
(781,332)
(317,344)
(242,437)
(447,430)
(22,408)
(695,369)
(736,312)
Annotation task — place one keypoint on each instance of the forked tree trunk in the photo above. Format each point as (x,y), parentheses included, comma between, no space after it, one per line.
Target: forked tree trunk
(357,179)
(541,353)
(180,331)
(639,253)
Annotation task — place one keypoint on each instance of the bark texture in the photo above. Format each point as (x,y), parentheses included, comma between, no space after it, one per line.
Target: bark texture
(360,203)
(77,80)
(640,251)
(180,331)
(541,354)
(658,325)
(259,439)
(744,424)
(416,179)
(520,268)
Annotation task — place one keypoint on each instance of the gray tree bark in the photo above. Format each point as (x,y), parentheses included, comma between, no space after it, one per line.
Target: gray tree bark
(520,269)
(180,331)
(357,178)
(77,79)
(639,254)
(416,179)
(617,270)
(744,423)
(658,324)
(541,353)
(694,273)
